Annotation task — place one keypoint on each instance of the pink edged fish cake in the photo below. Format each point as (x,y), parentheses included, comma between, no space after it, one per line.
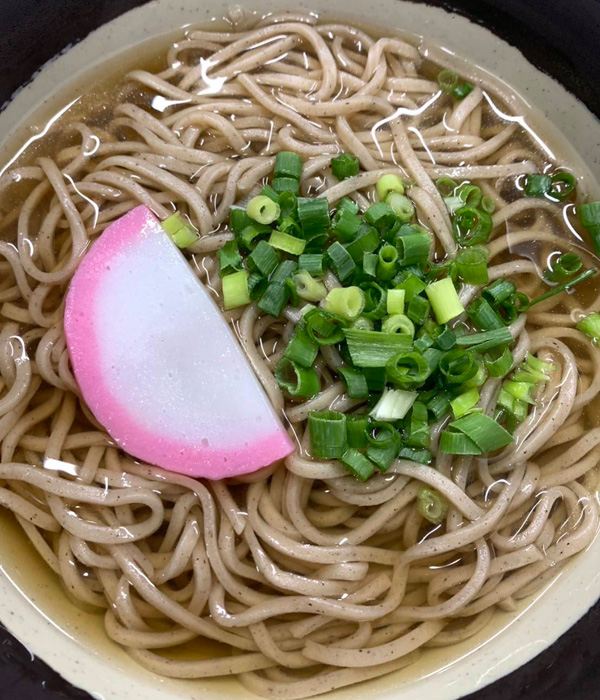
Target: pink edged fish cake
(158,365)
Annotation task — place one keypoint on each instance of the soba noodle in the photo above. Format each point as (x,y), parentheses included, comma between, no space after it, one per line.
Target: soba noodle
(307,578)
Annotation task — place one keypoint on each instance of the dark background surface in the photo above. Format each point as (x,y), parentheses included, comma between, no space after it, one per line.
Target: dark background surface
(559,36)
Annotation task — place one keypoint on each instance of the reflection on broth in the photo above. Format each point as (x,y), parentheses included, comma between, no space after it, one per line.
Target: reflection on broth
(301,578)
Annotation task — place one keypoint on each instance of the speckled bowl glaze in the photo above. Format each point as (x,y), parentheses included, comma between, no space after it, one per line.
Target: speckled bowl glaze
(33,604)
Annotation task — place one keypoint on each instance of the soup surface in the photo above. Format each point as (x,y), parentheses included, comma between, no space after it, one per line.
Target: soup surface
(341,562)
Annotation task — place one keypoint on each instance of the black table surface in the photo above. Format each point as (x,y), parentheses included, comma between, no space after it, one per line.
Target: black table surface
(561,38)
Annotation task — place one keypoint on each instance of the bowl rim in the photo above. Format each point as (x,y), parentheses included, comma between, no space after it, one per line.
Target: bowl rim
(542,619)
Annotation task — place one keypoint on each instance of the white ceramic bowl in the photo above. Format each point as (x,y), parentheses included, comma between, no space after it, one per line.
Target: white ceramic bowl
(32,603)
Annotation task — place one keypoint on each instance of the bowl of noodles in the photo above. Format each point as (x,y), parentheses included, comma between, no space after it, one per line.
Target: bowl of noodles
(406,251)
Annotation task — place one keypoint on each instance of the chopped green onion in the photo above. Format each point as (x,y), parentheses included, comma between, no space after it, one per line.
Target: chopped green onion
(418,309)
(283,185)
(562,287)
(347,302)
(407,369)
(289,223)
(284,271)
(356,384)
(458,366)
(401,205)
(289,244)
(447,80)
(379,215)
(327,430)
(263,258)
(366,241)
(521,391)
(389,183)
(506,400)
(501,364)
(414,248)
(374,348)
(356,430)
(323,327)
(499,291)
(432,356)
(387,264)
(464,402)
(439,404)
(185,237)
(375,377)
(420,456)
(589,217)
(263,209)
(471,265)
(180,232)
(458,444)
(257,285)
(523,374)
(562,185)
(235,290)
(446,340)
(238,219)
(444,300)
(589,214)
(398,323)
(346,224)
(382,457)
(288,164)
(341,261)
(483,431)
(462,90)
(453,204)
(307,287)
(298,381)
(446,186)
(249,233)
(173,223)
(566,266)
(520,409)
(375,301)
(345,165)
(229,257)
(590,325)
(411,284)
(483,316)
(357,464)
(370,261)
(363,324)
(481,375)
(471,226)
(469,194)
(395,301)
(419,434)
(488,204)
(301,349)
(274,299)
(431,505)
(313,263)
(268,191)
(313,215)
(393,405)
(479,378)
(382,434)
(347,204)
(537,185)
(486,340)
(535,364)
